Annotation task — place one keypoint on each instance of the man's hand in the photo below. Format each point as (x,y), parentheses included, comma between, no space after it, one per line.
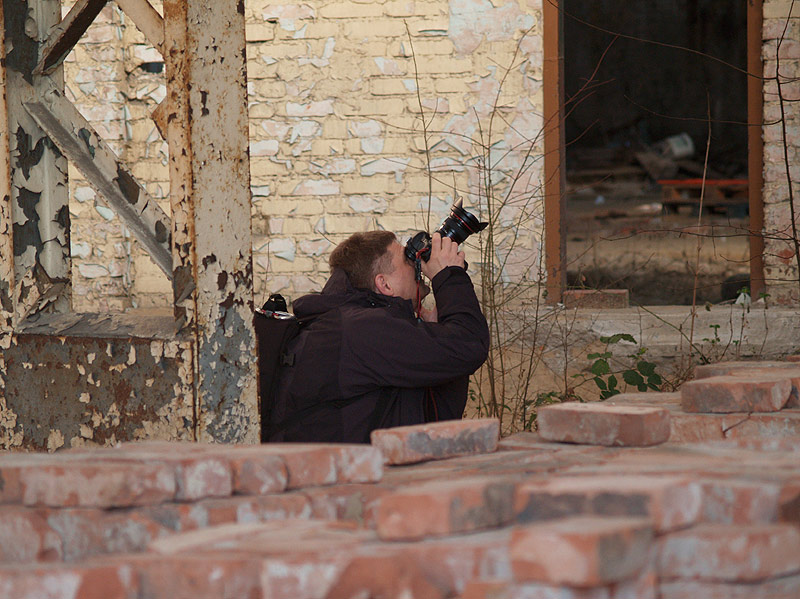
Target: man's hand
(444,253)
(429,315)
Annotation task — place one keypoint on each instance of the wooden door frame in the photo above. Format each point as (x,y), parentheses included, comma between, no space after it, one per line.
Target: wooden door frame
(554,147)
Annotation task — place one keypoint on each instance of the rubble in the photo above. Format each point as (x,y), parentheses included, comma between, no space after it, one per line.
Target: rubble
(712,511)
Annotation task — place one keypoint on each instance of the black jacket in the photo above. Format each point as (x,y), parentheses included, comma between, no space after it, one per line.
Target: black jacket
(363,361)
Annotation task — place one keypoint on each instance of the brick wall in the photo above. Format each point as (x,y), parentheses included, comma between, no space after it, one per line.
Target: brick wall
(337,141)
(780,265)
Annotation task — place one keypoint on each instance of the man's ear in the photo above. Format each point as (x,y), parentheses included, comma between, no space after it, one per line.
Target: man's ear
(382,285)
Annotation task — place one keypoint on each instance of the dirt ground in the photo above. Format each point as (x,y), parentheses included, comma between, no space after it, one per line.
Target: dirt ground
(619,235)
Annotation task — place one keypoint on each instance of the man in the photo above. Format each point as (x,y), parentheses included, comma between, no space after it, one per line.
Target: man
(369,356)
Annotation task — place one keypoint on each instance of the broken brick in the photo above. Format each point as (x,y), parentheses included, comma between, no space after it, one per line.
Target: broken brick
(25,536)
(386,575)
(358,463)
(582,551)
(704,371)
(307,465)
(259,475)
(731,501)
(100,580)
(445,507)
(604,424)
(352,502)
(670,502)
(786,587)
(730,552)
(725,394)
(65,482)
(437,440)
(200,577)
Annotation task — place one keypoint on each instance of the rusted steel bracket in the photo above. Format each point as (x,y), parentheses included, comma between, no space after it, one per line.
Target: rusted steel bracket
(79,142)
(36,239)
(146,19)
(66,34)
(207,122)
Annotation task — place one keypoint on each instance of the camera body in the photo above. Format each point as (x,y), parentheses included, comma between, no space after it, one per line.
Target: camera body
(458,226)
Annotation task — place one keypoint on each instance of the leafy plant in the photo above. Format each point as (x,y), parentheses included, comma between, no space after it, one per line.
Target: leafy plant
(641,374)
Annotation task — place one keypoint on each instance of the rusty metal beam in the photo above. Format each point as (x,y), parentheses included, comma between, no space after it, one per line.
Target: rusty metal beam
(207,134)
(6,246)
(146,19)
(39,195)
(79,142)
(553,99)
(66,34)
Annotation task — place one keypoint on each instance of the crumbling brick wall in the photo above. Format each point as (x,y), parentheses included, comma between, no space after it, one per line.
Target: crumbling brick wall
(337,142)
(781,124)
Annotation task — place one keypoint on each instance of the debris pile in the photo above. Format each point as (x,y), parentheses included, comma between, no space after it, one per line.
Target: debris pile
(624,508)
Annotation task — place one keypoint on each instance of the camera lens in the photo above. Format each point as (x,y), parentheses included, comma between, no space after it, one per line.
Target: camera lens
(460,224)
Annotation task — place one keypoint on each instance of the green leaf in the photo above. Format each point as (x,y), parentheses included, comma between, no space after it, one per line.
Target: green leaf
(600,383)
(612,382)
(607,394)
(654,379)
(600,367)
(632,378)
(617,337)
(646,368)
(642,387)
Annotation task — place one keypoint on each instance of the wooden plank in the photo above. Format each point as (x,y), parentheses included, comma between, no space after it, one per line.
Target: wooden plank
(554,151)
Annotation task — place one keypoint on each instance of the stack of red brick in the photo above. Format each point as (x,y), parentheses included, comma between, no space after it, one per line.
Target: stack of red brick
(429,511)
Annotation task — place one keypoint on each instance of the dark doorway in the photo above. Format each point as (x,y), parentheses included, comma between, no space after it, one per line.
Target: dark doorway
(647,84)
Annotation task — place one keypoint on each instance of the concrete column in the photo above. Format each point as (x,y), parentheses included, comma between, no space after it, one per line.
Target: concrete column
(207,131)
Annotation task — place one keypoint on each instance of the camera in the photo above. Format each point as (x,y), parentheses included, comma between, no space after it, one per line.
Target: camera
(458,226)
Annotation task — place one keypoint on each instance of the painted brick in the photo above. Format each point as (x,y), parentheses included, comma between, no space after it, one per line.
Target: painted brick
(445,507)
(730,553)
(725,394)
(603,424)
(669,502)
(322,108)
(438,440)
(581,552)
(595,298)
